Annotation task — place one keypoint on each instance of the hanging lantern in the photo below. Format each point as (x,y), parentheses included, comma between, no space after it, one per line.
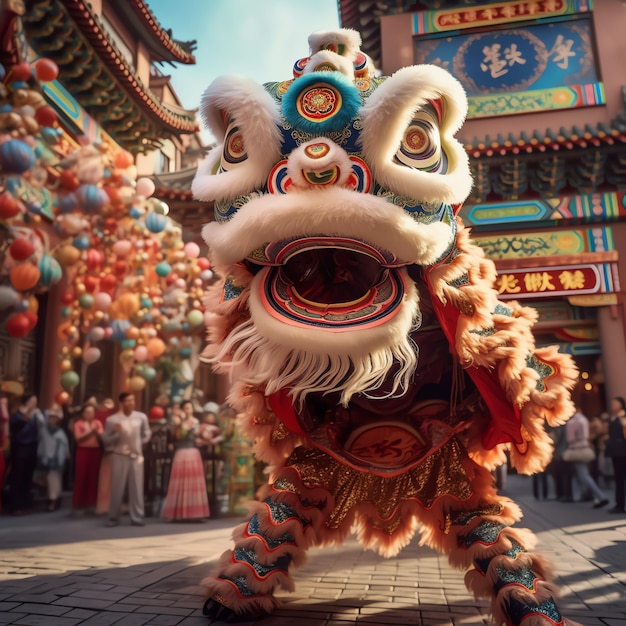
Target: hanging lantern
(155,222)
(50,270)
(18,326)
(24,276)
(20,249)
(16,156)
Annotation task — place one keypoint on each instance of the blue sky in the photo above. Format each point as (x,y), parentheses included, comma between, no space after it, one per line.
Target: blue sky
(257,38)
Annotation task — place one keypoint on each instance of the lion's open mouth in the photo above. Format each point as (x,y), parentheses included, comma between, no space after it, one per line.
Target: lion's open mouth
(330,282)
(332,277)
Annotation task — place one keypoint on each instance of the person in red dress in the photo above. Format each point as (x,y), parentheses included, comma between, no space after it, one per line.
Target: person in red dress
(87,434)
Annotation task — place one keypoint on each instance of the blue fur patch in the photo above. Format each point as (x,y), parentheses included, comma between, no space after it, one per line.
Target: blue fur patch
(321,102)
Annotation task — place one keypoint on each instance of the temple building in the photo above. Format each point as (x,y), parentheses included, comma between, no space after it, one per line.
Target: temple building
(111,88)
(546,138)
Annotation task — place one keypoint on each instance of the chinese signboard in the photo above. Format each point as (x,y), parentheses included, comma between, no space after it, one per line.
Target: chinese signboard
(523,68)
(557,281)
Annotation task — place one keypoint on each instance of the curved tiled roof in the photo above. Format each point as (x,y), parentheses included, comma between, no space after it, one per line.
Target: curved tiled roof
(171,49)
(96,73)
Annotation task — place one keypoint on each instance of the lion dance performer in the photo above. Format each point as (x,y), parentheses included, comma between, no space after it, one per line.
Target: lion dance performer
(372,364)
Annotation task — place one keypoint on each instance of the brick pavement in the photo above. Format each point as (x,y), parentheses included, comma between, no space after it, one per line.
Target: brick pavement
(56,570)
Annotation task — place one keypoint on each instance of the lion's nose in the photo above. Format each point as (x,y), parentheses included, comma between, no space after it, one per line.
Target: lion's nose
(314,153)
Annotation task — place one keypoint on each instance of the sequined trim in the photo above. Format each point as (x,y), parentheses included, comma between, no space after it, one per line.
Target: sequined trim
(483,564)
(486,533)
(280,512)
(524,577)
(231,290)
(254,529)
(440,474)
(519,611)
(462,518)
(240,583)
(246,555)
(544,370)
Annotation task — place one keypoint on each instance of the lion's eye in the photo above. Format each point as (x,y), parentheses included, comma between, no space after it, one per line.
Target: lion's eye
(420,146)
(234,151)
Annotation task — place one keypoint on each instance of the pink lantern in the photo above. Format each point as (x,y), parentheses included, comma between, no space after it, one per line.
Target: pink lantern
(102,301)
(145,187)
(122,248)
(191,249)
(91,355)
(141,354)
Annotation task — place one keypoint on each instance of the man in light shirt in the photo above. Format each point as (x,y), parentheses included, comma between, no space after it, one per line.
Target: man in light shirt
(125,434)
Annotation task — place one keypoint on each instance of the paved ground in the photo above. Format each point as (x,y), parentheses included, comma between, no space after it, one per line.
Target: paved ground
(59,571)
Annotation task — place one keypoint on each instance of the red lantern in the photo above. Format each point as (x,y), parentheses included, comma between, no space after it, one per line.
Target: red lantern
(204,263)
(32,318)
(67,298)
(123,159)
(21,71)
(62,397)
(46,70)
(95,259)
(21,249)
(9,206)
(68,180)
(18,326)
(91,283)
(120,268)
(24,276)
(156,413)
(108,282)
(46,116)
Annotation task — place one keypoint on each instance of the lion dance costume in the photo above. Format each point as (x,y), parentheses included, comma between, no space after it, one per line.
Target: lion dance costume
(372,364)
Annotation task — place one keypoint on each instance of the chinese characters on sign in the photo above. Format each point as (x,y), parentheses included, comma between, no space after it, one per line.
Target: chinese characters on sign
(553,281)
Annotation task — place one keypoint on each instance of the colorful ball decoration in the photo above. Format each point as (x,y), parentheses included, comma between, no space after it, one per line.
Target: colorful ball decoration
(91,197)
(69,380)
(145,187)
(62,397)
(21,71)
(97,333)
(24,276)
(122,248)
(156,413)
(67,255)
(20,249)
(91,355)
(46,116)
(9,206)
(191,249)
(102,301)
(123,159)
(156,347)
(163,269)
(119,328)
(50,269)
(141,354)
(16,156)
(8,297)
(135,383)
(85,301)
(195,318)
(155,222)
(46,70)
(18,326)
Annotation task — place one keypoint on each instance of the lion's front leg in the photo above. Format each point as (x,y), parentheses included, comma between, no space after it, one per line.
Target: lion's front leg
(283,525)
(503,566)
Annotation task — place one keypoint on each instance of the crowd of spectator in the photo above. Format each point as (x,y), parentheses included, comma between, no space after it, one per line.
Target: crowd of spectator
(96,452)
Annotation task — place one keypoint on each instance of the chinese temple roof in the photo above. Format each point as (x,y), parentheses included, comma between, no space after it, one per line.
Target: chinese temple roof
(175,190)
(576,160)
(138,16)
(94,70)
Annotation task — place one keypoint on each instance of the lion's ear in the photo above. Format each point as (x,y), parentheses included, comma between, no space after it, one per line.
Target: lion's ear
(408,135)
(243,117)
